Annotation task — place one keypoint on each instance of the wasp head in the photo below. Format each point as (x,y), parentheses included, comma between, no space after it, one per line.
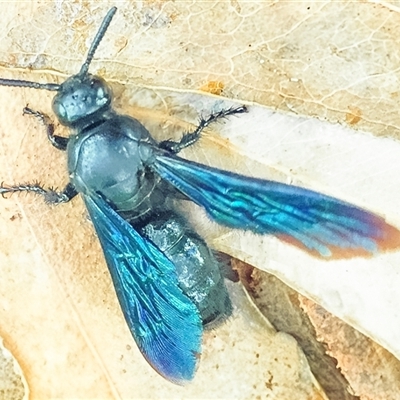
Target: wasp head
(81,98)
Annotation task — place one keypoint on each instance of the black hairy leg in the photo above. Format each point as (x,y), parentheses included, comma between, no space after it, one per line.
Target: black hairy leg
(51,196)
(190,138)
(59,142)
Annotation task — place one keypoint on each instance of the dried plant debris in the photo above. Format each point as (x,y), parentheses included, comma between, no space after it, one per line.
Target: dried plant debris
(346,363)
(12,382)
(373,372)
(158,56)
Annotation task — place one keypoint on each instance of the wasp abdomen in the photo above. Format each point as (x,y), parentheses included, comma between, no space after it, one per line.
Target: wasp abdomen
(197,269)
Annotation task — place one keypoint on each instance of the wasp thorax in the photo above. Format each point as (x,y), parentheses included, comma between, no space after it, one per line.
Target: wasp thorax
(81,97)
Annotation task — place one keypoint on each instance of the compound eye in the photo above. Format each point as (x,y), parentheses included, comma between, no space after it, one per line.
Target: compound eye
(95,82)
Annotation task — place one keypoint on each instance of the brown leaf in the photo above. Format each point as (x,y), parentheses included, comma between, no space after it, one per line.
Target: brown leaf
(59,309)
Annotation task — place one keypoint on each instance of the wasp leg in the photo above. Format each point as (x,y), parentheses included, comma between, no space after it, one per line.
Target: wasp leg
(190,138)
(59,142)
(50,195)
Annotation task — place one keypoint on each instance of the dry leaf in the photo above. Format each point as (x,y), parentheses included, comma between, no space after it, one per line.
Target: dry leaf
(333,60)
(347,364)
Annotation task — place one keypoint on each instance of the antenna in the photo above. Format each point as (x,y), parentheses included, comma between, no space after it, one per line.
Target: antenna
(84,69)
(96,41)
(35,85)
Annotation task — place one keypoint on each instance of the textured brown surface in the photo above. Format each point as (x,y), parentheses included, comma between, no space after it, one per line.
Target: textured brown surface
(346,363)
(60,318)
(372,371)
(281,305)
(12,381)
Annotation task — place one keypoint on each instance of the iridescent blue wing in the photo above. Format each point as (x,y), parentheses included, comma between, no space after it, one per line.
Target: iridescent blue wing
(320,224)
(164,322)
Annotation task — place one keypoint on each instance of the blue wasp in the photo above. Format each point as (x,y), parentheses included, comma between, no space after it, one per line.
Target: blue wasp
(167,280)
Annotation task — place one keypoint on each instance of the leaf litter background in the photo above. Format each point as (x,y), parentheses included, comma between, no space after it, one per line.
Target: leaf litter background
(335,61)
